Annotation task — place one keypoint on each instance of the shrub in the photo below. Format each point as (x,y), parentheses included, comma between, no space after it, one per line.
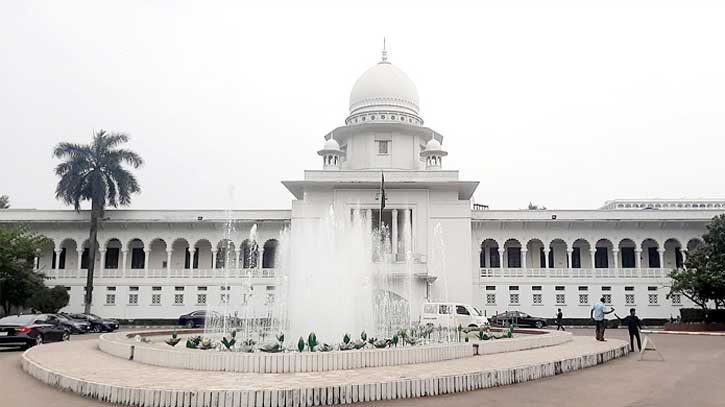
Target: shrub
(49,300)
(715,316)
(692,314)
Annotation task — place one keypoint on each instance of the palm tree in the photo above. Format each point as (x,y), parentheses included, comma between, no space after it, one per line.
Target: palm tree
(94,172)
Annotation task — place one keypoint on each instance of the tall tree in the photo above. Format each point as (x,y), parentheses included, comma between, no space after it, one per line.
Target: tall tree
(18,280)
(702,280)
(4,202)
(95,172)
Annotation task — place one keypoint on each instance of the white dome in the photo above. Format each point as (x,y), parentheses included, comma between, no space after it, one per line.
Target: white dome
(331,144)
(384,88)
(433,145)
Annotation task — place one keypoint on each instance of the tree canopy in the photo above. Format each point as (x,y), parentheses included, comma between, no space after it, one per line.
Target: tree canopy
(18,280)
(49,300)
(702,279)
(4,202)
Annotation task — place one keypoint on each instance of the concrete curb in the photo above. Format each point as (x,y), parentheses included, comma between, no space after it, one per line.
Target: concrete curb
(649,331)
(308,394)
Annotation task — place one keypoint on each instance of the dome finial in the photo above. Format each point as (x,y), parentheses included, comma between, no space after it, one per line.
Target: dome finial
(385,52)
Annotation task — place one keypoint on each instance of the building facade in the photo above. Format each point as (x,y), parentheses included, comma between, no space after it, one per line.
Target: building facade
(163,263)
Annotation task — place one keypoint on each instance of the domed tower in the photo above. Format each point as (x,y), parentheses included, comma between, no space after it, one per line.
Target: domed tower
(433,155)
(331,155)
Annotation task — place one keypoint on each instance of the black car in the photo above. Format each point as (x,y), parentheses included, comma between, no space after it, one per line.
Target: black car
(97,323)
(31,329)
(518,318)
(76,326)
(196,318)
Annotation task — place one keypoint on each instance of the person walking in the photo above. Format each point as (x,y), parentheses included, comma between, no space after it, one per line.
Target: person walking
(597,313)
(559,318)
(634,325)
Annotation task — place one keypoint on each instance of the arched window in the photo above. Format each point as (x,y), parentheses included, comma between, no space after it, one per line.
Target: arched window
(269,257)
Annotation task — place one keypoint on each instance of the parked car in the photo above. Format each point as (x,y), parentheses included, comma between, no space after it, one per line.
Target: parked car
(452,314)
(97,323)
(518,318)
(31,329)
(196,318)
(76,326)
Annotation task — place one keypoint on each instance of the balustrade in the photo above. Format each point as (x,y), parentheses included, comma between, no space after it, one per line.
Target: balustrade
(564,273)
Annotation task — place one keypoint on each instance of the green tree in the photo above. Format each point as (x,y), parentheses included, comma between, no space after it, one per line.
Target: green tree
(4,202)
(18,281)
(702,280)
(49,300)
(95,172)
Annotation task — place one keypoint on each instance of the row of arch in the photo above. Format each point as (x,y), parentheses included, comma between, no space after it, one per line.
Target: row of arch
(157,253)
(580,253)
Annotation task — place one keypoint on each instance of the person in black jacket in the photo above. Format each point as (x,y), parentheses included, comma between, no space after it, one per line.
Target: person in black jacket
(633,324)
(559,322)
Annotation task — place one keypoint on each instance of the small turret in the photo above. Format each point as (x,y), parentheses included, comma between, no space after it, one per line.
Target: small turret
(331,155)
(433,155)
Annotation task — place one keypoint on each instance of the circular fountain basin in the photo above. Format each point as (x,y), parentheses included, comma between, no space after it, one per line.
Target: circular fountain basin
(157,353)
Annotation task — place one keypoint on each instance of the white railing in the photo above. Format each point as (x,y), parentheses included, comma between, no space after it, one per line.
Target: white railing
(557,273)
(165,273)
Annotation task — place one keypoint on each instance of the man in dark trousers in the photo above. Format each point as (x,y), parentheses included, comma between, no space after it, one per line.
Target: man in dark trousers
(598,314)
(633,325)
(559,318)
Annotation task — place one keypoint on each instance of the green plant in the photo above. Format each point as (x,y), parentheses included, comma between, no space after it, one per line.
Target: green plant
(229,343)
(280,337)
(363,336)
(174,339)
(193,342)
(301,344)
(206,344)
(247,346)
(346,339)
(395,340)
(312,341)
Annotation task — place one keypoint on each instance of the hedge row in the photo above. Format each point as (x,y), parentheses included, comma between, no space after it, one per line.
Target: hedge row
(690,315)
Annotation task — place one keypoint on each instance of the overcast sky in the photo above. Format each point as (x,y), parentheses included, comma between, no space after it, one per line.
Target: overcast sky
(566,105)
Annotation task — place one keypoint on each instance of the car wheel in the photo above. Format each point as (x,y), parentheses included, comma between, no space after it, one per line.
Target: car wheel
(66,336)
(39,340)
(539,324)
(190,324)
(96,329)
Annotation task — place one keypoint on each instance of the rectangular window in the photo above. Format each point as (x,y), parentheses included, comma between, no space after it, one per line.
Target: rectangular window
(652,288)
(606,288)
(110,288)
(491,299)
(513,256)
(514,299)
(628,261)
(133,288)
(601,258)
(224,298)
(653,299)
(537,299)
(629,299)
(383,147)
(491,287)
(576,258)
(676,299)
(133,299)
(178,299)
(138,258)
(179,288)
(201,299)
(156,288)
(583,288)
(112,256)
(560,299)
(583,299)
(513,288)
(155,299)
(494,258)
(536,288)
(607,299)
(629,288)
(201,288)
(654,257)
(110,299)
(560,288)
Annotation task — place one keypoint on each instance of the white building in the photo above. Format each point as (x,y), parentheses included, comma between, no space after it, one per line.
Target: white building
(160,264)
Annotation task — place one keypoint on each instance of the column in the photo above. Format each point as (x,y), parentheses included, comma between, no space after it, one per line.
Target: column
(36,262)
(661,252)
(102,266)
(56,253)
(192,252)
(638,259)
(260,257)
(124,256)
(80,258)
(369,219)
(169,252)
(235,254)
(146,255)
(592,252)
(407,232)
(394,235)
(546,257)
(501,253)
(615,255)
(684,256)
(213,259)
(523,258)
(570,257)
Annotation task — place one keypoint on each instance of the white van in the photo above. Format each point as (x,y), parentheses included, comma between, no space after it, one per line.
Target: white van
(452,314)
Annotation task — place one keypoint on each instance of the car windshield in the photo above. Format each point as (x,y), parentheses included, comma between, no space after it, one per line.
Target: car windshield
(18,320)
(478,311)
(93,316)
(60,316)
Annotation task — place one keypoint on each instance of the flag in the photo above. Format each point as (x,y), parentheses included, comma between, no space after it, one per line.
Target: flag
(382,199)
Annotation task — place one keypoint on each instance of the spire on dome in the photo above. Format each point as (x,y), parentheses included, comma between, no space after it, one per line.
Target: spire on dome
(384,58)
